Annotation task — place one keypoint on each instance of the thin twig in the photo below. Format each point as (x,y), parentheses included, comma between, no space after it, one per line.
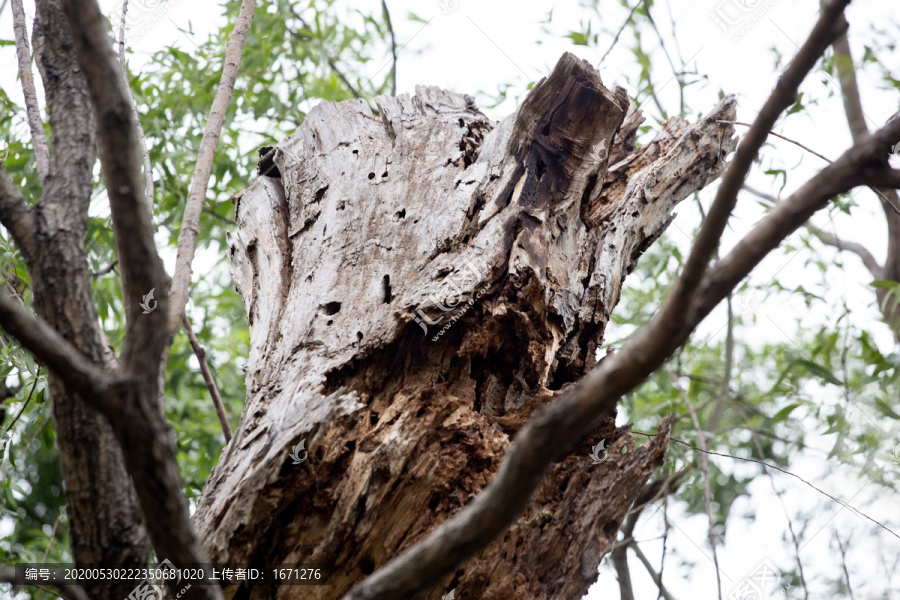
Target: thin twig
(679,76)
(704,464)
(333,65)
(387,19)
(110,267)
(878,192)
(190,224)
(785,138)
(653,574)
(216,215)
(618,33)
(777,468)
(829,239)
(779,494)
(28,399)
(32,110)
(844,564)
(148,173)
(208,378)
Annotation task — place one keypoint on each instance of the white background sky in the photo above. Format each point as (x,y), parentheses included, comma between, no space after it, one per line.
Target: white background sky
(476,45)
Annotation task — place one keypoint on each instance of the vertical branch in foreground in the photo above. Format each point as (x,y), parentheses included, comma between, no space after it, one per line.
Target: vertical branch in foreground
(33,111)
(187,238)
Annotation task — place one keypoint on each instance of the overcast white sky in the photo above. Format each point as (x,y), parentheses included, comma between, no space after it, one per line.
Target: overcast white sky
(472,46)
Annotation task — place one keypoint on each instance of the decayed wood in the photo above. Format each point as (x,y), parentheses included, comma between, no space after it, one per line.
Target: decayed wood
(507,243)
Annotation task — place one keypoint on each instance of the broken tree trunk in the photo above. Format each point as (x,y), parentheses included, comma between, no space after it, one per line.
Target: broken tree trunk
(417,285)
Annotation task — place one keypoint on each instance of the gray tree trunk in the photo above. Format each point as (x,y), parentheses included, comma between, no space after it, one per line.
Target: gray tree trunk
(417,284)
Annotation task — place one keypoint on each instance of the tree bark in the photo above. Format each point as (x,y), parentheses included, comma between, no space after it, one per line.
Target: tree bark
(417,285)
(101,505)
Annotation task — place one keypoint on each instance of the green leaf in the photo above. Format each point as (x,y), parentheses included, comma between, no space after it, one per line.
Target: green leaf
(785,412)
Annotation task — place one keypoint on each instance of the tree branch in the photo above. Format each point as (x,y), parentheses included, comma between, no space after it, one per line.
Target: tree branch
(56,352)
(208,378)
(15,214)
(580,408)
(32,110)
(387,19)
(653,574)
(148,173)
(140,267)
(704,465)
(856,119)
(187,238)
(830,24)
(861,251)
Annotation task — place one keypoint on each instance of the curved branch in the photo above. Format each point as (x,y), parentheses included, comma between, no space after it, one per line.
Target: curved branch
(861,251)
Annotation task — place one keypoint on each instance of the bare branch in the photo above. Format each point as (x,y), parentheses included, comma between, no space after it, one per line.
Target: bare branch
(829,239)
(785,138)
(15,214)
(704,465)
(110,267)
(141,269)
(637,4)
(27,400)
(830,24)
(387,19)
(857,121)
(148,173)
(844,564)
(55,351)
(187,238)
(861,251)
(653,574)
(892,204)
(208,378)
(32,110)
(583,406)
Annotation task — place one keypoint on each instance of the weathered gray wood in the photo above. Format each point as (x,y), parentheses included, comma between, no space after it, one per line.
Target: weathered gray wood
(507,243)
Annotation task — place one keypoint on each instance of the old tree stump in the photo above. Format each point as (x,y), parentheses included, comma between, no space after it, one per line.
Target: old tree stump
(417,284)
